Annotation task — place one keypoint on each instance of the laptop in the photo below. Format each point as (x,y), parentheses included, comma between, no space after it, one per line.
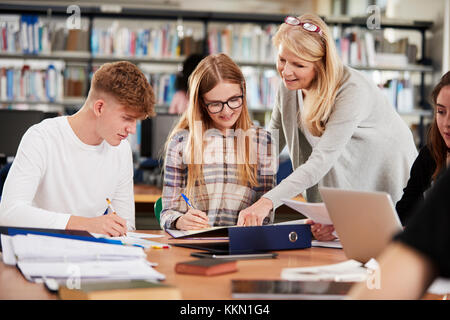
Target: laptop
(365,222)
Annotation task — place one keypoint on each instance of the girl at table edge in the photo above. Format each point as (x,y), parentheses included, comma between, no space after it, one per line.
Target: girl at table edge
(339,127)
(220,189)
(418,255)
(434,157)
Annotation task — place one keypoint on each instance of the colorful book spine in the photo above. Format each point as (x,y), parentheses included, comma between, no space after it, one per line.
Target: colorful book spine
(243,42)
(154,42)
(31,82)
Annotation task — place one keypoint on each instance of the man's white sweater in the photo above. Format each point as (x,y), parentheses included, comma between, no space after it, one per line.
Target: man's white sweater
(55,175)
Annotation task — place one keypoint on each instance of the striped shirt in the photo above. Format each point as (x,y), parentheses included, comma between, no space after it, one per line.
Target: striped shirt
(219,195)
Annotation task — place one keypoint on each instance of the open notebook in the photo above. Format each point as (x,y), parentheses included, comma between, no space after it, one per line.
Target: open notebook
(213,232)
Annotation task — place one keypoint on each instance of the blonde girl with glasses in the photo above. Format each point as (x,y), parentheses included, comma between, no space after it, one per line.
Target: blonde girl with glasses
(339,128)
(215,156)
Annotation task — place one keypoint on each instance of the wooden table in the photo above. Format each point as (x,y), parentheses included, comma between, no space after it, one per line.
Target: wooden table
(219,287)
(146,193)
(14,286)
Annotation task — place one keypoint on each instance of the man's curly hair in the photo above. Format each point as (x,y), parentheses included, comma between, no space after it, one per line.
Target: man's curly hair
(127,84)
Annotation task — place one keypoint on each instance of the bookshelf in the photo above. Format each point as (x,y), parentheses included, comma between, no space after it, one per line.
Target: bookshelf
(245,37)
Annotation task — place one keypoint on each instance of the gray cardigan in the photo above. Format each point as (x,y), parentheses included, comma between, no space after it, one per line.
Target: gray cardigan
(365,146)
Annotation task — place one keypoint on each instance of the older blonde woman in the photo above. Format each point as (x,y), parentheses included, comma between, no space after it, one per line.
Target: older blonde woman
(339,127)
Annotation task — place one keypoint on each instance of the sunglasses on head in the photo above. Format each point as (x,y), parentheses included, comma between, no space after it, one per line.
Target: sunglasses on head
(308,26)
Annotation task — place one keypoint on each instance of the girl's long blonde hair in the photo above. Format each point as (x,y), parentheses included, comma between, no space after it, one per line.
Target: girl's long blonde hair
(319,49)
(210,72)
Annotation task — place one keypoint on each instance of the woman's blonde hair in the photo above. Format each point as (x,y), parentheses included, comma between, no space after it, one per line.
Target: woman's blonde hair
(319,49)
(209,73)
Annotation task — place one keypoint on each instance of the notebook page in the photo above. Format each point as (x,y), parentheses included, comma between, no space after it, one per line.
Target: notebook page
(36,247)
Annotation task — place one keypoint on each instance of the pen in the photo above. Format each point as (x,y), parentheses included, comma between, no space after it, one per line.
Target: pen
(160,247)
(110,205)
(187,201)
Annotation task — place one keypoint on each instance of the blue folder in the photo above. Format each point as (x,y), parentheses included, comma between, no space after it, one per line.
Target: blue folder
(270,237)
(68,234)
(256,239)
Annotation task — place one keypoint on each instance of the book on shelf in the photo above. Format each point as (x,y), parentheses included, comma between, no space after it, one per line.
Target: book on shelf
(33,35)
(189,45)
(31,80)
(120,290)
(77,40)
(400,94)
(75,81)
(163,85)
(243,42)
(156,41)
(261,87)
(360,47)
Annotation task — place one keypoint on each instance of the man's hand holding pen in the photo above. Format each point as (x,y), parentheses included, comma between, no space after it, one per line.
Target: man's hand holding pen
(109,224)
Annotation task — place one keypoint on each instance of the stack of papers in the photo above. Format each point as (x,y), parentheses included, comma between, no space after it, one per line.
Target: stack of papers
(41,257)
(317,212)
(45,248)
(348,271)
(135,239)
(335,244)
(141,235)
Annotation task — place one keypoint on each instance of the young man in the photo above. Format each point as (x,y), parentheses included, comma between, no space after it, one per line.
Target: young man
(66,167)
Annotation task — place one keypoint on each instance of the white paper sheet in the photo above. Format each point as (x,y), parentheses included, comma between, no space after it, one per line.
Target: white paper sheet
(143,235)
(139,242)
(350,270)
(440,286)
(123,270)
(298,221)
(44,248)
(43,257)
(326,244)
(314,211)
(7,251)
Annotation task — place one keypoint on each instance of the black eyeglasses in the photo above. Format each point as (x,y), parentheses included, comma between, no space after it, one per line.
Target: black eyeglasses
(308,26)
(232,103)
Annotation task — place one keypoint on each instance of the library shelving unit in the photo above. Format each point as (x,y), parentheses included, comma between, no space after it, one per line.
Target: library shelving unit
(245,37)
(417,105)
